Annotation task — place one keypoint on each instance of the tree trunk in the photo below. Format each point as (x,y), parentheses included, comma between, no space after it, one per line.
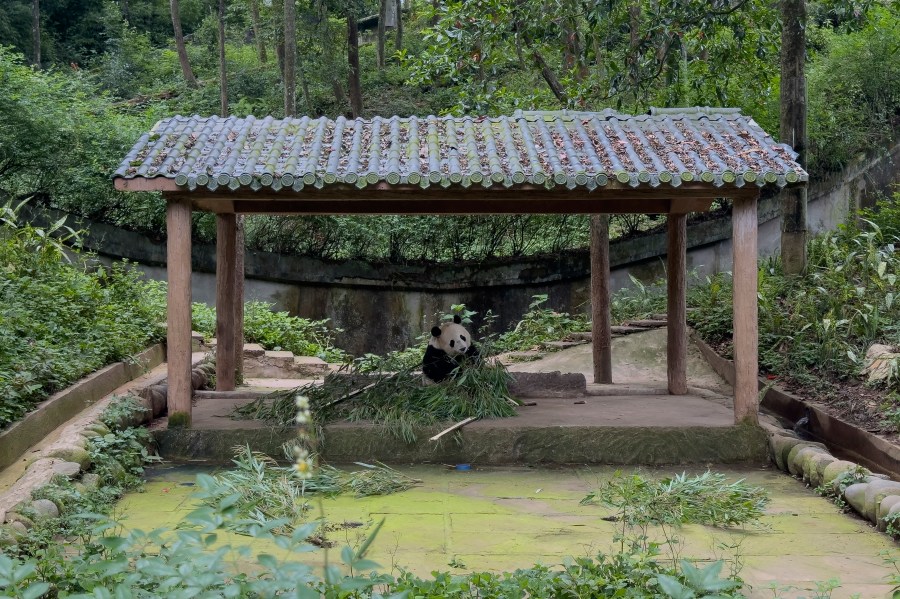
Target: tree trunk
(304,87)
(398,41)
(223,72)
(179,45)
(382,16)
(290,58)
(257,31)
(793,131)
(353,61)
(549,76)
(36,33)
(634,26)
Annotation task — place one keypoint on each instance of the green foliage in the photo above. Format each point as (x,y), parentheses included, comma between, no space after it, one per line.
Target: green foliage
(62,318)
(854,90)
(815,329)
(275,330)
(540,324)
(638,301)
(263,492)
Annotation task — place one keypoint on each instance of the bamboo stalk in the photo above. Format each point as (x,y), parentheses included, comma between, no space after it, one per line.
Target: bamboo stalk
(456,426)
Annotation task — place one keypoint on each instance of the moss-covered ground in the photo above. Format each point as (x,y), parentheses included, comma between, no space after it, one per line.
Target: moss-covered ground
(504,518)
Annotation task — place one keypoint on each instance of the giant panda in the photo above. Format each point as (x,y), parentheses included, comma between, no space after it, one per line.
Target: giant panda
(449,345)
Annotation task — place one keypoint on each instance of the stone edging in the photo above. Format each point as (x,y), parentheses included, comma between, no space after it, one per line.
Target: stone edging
(852,441)
(874,497)
(63,405)
(68,456)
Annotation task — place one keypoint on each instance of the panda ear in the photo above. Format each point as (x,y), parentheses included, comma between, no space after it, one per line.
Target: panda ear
(457,319)
(435,331)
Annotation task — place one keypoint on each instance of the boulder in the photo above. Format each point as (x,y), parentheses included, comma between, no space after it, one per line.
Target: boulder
(16,518)
(18,528)
(71,453)
(67,469)
(44,509)
(835,470)
(90,480)
(855,495)
(875,492)
(884,507)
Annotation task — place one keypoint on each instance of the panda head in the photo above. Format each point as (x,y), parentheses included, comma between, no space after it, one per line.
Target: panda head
(451,337)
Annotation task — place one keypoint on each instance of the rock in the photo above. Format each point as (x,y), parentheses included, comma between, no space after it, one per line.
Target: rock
(798,454)
(44,509)
(884,507)
(9,536)
(855,495)
(116,469)
(99,427)
(835,470)
(814,468)
(77,455)
(781,445)
(16,518)
(876,491)
(18,527)
(67,469)
(197,379)
(2,515)
(90,480)
(880,360)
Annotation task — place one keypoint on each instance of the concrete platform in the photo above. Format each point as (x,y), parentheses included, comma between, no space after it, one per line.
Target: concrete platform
(631,429)
(632,422)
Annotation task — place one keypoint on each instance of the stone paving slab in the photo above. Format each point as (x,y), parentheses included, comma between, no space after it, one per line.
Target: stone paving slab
(507,518)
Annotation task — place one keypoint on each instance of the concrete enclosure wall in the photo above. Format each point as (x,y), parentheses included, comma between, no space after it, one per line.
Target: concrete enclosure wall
(385,307)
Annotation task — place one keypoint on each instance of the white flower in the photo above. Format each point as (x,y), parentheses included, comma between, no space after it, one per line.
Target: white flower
(302,417)
(302,402)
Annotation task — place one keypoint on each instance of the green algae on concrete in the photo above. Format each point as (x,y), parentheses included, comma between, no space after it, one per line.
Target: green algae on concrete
(506,518)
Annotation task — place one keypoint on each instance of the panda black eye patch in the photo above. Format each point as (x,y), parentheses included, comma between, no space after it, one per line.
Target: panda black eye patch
(453,343)
(463,337)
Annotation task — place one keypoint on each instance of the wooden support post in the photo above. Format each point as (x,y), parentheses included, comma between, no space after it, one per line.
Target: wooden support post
(744,223)
(600,316)
(178,347)
(226,234)
(239,299)
(676,287)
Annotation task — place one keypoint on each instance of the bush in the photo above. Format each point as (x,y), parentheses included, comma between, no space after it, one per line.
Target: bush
(276,330)
(63,318)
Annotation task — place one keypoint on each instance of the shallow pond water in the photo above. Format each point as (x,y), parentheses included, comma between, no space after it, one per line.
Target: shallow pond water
(507,518)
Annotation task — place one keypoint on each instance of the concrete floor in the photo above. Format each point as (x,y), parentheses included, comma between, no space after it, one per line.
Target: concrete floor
(506,518)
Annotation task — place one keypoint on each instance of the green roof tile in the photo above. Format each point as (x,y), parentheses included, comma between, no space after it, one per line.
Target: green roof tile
(567,149)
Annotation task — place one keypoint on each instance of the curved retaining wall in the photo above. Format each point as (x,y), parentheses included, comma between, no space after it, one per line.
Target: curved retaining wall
(403,299)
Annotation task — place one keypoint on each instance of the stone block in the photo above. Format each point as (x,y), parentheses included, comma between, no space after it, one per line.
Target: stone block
(279,359)
(855,495)
(18,527)
(90,480)
(253,350)
(16,518)
(835,470)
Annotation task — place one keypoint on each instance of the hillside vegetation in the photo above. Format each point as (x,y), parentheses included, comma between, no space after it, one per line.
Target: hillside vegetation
(109,70)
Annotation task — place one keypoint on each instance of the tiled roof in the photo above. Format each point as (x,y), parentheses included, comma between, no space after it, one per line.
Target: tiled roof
(571,149)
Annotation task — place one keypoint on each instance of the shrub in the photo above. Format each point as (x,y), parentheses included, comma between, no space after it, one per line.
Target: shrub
(276,330)
(62,318)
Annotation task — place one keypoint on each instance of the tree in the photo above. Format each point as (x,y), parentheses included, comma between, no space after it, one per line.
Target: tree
(179,45)
(382,17)
(36,32)
(257,31)
(353,61)
(223,71)
(290,58)
(398,41)
(792,131)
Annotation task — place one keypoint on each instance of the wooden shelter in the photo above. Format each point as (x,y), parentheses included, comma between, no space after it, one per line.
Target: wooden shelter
(671,161)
